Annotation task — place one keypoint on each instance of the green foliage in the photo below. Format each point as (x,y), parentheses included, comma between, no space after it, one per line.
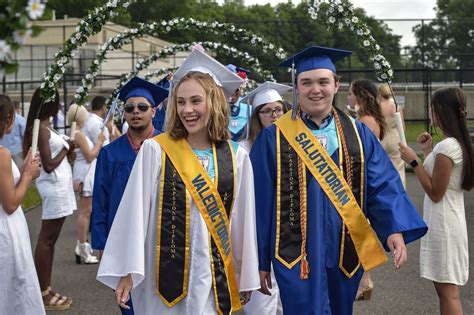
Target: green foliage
(73,8)
(285,25)
(15,28)
(32,198)
(449,39)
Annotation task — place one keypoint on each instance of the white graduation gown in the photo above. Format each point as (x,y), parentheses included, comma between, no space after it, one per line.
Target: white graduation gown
(131,245)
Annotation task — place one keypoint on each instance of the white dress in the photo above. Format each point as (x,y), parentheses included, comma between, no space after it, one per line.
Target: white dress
(444,253)
(88,187)
(81,166)
(55,188)
(131,245)
(20,292)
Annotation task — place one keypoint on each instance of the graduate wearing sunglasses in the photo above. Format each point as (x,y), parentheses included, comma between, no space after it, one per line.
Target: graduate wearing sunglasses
(116,160)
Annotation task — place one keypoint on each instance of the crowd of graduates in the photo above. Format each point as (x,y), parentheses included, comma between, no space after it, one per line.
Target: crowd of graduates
(209,201)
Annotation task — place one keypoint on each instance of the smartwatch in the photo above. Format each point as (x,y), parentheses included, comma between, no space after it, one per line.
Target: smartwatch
(414,163)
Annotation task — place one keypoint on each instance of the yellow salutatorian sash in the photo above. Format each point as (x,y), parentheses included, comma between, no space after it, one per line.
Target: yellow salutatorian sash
(333,183)
(214,201)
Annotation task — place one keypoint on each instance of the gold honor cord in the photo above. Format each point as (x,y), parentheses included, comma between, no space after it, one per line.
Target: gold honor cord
(208,201)
(331,180)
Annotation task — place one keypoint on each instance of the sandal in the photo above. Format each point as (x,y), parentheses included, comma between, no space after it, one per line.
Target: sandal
(364,292)
(57,302)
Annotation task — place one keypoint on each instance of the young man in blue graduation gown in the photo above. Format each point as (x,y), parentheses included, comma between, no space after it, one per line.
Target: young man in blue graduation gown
(239,111)
(315,231)
(115,161)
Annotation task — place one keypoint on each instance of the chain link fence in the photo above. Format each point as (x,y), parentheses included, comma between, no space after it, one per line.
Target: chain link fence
(413,88)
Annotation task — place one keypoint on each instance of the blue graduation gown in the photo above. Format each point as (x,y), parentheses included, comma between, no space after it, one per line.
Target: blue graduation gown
(387,206)
(114,164)
(159,119)
(238,120)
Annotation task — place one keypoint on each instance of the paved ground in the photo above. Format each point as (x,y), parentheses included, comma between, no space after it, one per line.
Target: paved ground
(396,292)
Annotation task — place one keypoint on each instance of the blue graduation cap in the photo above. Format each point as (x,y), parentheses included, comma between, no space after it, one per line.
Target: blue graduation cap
(138,87)
(312,58)
(165,82)
(315,57)
(241,72)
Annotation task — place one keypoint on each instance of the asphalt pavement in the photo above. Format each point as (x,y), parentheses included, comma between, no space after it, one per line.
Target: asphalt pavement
(396,291)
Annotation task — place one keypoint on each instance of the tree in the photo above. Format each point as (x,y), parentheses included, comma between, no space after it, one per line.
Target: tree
(15,28)
(76,9)
(448,40)
(285,25)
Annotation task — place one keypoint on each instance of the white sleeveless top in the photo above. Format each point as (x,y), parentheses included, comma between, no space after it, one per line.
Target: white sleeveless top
(56,188)
(21,293)
(81,166)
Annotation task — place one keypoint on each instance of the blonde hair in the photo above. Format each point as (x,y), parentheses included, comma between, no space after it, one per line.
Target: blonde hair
(77,113)
(218,119)
(384,91)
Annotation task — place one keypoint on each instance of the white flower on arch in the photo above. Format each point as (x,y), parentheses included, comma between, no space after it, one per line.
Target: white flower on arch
(35,9)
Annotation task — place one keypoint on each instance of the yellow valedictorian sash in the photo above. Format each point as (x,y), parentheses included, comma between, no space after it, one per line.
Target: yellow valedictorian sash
(330,178)
(183,173)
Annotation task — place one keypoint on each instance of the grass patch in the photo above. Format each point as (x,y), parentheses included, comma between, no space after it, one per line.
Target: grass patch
(32,198)
(414,129)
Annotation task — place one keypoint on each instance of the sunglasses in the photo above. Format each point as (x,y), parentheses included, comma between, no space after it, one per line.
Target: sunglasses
(130,107)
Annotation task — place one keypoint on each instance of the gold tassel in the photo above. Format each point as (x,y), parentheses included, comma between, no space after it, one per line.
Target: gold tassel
(304,265)
(304,269)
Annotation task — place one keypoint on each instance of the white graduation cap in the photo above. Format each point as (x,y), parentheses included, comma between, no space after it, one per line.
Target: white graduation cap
(266,93)
(201,62)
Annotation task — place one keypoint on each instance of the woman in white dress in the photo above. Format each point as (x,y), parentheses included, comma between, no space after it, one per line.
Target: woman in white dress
(160,242)
(86,153)
(448,170)
(56,190)
(19,290)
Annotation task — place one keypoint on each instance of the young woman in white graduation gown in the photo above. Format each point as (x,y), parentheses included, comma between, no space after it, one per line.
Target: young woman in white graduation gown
(199,114)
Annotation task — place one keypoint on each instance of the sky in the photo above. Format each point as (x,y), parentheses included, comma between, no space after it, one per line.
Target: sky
(388,9)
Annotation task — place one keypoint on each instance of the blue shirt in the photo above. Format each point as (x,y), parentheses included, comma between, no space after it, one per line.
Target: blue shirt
(13,141)
(239,116)
(206,157)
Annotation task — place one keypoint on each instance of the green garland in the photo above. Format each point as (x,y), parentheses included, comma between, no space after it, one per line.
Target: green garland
(340,15)
(89,79)
(89,26)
